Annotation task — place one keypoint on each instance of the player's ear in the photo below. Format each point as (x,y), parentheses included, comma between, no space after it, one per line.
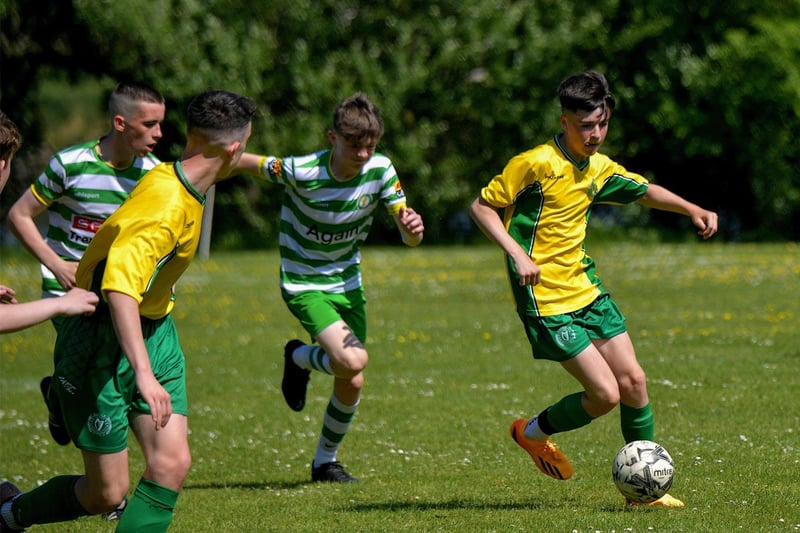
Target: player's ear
(118,122)
(232,149)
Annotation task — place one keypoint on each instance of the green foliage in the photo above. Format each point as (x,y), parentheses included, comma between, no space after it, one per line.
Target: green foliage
(716,328)
(707,92)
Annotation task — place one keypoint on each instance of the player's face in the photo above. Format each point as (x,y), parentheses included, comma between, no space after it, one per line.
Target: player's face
(585,131)
(348,156)
(143,130)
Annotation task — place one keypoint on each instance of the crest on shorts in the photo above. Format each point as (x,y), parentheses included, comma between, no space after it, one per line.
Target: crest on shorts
(99,424)
(565,336)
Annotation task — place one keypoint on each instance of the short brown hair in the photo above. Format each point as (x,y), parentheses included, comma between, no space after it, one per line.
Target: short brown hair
(10,139)
(357,118)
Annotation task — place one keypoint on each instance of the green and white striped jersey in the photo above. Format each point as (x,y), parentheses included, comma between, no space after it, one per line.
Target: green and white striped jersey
(80,191)
(324,222)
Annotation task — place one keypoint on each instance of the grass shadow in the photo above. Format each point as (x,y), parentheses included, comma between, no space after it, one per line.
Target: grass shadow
(450,505)
(264,485)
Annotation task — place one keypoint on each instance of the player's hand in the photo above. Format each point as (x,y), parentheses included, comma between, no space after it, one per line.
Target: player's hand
(157,398)
(411,221)
(7,295)
(707,221)
(529,272)
(64,272)
(78,302)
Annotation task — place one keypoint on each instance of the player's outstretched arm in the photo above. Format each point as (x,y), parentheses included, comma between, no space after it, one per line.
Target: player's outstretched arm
(249,163)
(14,317)
(658,197)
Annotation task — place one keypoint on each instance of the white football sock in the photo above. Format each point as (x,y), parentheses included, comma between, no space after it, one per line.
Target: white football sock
(533,431)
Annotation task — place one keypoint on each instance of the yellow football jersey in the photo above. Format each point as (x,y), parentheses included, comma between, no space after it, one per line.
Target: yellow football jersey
(144,246)
(547,198)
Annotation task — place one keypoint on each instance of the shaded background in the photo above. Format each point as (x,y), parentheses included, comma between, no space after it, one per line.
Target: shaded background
(708,93)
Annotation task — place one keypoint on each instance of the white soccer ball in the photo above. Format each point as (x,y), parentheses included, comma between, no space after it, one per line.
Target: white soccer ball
(643,471)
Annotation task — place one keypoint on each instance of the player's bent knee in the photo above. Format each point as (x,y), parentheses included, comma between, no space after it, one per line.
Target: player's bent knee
(632,384)
(357,381)
(106,500)
(604,400)
(169,469)
(350,363)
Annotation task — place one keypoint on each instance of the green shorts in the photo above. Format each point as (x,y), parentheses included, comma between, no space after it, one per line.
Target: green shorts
(562,337)
(316,310)
(95,385)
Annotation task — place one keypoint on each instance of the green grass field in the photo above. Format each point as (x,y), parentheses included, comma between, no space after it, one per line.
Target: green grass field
(717,328)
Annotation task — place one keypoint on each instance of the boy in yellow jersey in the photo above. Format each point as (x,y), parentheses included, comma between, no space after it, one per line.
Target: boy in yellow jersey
(123,367)
(546,195)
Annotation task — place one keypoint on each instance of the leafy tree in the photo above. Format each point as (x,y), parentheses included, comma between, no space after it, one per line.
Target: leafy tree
(707,90)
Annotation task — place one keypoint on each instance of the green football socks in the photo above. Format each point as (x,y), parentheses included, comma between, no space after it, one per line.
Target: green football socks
(150,510)
(335,423)
(55,501)
(568,413)
(637,423)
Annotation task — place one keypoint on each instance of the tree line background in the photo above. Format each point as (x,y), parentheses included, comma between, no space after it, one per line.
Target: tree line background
(708,92)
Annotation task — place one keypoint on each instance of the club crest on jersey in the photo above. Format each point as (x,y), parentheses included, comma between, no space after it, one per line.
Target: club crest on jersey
(364,201)
(593,189)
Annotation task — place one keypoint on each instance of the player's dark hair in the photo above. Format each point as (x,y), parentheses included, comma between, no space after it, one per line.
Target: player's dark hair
(217,113)
(126,97)
(586,92)
(10,139)
(358,119)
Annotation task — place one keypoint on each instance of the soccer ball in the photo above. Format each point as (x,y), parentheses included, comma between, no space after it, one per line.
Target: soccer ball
(643,471)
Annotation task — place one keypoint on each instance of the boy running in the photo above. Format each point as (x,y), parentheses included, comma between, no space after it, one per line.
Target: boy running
(328,202)
(79,189)
(123,368)
(547,195)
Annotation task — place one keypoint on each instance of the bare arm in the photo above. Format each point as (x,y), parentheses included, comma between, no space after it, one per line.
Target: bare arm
(488,220)
(21,221)
(658,197)
(411,227)
(16,316)
(127,324)
(249,164)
